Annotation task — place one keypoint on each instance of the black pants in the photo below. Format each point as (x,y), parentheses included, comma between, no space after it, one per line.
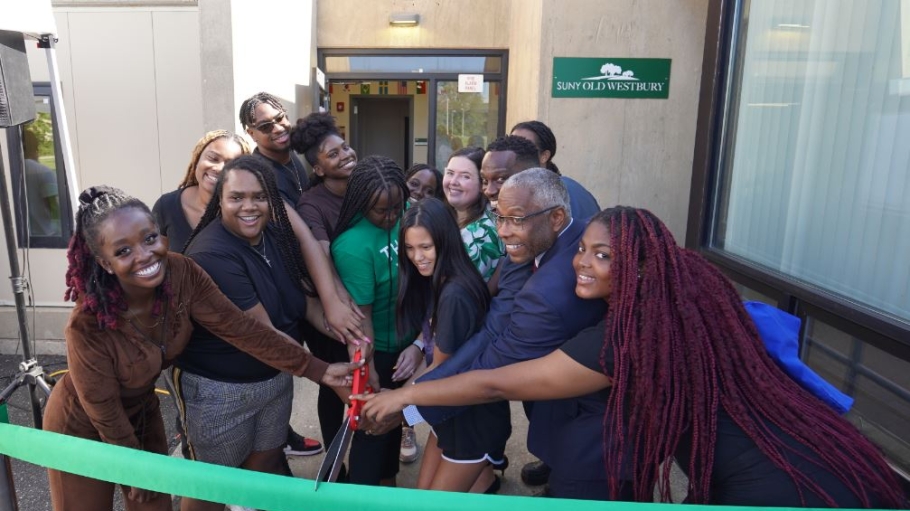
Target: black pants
(329,407)
(375,457)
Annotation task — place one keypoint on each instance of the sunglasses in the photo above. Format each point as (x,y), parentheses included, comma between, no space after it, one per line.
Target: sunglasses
(268,126)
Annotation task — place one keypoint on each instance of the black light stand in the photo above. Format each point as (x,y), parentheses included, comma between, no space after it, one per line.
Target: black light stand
(30,373)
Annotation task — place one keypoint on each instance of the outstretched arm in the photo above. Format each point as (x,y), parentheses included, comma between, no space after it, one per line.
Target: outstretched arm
(341,314)
(554,376)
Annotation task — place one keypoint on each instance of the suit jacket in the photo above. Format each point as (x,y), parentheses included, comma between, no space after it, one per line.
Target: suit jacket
(511,279)
(583,204)
(545,312)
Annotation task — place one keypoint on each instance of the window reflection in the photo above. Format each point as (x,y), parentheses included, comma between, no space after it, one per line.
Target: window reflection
(815,179)
(40,168)
(464,119)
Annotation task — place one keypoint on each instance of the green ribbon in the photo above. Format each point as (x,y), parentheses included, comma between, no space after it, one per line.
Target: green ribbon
(257,490)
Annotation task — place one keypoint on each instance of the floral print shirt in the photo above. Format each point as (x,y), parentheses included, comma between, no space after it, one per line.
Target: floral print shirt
(483,244)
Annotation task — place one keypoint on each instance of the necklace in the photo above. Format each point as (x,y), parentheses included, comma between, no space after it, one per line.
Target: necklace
(262,253)
(295,175)
(133,316)
(160,343)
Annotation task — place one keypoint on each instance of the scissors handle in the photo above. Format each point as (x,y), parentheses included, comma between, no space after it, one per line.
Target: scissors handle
(361,376)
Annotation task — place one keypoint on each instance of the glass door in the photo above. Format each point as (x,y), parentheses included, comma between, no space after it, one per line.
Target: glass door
(464,119)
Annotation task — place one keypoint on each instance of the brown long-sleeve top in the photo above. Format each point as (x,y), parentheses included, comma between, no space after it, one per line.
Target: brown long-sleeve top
(112,371)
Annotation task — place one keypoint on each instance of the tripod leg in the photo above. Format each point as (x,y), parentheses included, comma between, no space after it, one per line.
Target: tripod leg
(43,386)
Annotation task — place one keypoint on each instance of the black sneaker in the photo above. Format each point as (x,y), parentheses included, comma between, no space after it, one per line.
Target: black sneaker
(299,445)
(535,473)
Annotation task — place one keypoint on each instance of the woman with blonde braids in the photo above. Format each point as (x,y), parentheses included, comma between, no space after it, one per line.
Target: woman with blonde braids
(178,212)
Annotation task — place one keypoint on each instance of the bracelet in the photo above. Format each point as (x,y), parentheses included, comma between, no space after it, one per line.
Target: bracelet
(419,343)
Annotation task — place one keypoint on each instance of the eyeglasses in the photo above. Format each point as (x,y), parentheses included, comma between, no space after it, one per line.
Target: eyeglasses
(517,222)
(268,126)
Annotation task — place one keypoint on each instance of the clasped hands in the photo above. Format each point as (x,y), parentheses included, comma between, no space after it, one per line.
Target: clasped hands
(381,411)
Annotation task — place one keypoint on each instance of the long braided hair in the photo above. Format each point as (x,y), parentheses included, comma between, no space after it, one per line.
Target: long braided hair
(683,348)
(287,242)
(94,290)
(371,176)
(546,140)
(189,178)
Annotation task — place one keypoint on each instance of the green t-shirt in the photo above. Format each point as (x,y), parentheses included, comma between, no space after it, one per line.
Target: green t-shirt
(366,258)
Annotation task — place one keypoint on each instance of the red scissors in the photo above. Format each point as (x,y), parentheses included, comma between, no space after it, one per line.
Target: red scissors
(334,457)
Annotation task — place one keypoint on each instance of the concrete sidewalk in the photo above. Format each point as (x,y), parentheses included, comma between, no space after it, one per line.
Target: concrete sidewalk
(303,419)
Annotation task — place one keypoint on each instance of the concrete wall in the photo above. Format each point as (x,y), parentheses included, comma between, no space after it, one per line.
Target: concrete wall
(525,81)
(635,152)
(443,24)
(133,95)
(142,83)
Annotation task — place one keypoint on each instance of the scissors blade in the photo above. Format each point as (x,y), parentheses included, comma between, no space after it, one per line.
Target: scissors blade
(339,457)
(331,464)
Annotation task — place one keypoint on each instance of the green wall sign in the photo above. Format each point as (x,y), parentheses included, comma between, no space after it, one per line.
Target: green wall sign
(611,78)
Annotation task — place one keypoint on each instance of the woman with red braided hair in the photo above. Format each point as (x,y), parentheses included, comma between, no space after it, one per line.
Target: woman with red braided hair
(135,308)
(685,373)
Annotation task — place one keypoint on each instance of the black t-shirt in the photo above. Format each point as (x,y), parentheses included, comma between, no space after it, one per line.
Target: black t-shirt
(243,275)
(168,212)
(291,183)
(319,208)
(457,318)
(742,475)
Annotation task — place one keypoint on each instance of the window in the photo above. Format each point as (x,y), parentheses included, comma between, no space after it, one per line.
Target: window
(42,210)
(878,382)
(801,185)
(464,119)
(449,119)
(814,180)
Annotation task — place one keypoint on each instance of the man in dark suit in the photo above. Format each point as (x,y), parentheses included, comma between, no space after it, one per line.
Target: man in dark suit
(506,156)
(535,311)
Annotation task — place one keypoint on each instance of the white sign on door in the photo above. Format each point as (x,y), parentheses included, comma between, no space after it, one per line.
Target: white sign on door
(470,83)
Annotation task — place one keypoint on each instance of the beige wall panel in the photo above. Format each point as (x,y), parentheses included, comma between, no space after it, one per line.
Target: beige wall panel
(114,87)
(524,62)
(634,152)
(178,81)
(443,24)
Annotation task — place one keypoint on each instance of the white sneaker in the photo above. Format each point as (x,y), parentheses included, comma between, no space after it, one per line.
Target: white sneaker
(408,453)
